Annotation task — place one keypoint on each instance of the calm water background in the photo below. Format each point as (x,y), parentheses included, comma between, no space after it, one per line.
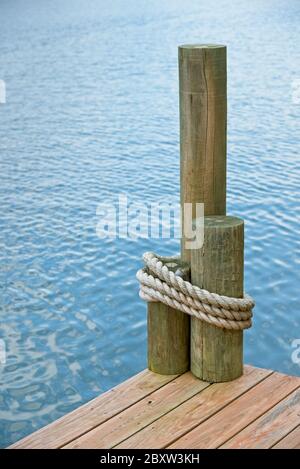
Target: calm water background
(92,111)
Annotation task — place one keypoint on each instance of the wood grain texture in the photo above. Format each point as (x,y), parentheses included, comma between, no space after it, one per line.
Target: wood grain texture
(94,412)
(191,413)
(168,339)
(203,128)
(268,429)
(168,336)
(239,414)
(290,441)
(218,266)
(141,414)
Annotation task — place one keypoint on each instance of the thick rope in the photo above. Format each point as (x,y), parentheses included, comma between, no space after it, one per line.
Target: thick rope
(158,283)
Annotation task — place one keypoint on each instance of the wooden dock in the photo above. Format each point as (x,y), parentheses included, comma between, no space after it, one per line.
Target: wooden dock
(261,409)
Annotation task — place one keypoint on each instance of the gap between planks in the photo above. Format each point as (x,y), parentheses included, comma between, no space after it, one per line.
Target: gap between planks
(290,441)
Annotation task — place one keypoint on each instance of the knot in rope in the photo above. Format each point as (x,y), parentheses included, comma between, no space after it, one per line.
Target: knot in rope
(160,284)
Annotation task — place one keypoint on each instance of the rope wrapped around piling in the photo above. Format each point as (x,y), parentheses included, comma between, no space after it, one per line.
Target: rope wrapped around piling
(159,283)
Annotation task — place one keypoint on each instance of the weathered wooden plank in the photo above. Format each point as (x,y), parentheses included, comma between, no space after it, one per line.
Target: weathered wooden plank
(291,441)
(95,412)
(191,413)
(141,414)
(240,413)
(271,427)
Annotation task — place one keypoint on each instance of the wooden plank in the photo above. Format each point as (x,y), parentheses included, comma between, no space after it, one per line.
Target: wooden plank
(95,412)
(271,427)
(194,411)
(291,441)
(141,414)
(240,413)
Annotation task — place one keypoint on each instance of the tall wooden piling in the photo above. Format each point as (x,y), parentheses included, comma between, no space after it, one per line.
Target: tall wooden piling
(203,138)
(218,266)
(203,127)
(203,120)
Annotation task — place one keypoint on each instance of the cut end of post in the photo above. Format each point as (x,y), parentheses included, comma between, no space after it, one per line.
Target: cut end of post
(201,46)
(220,221)
(193,51)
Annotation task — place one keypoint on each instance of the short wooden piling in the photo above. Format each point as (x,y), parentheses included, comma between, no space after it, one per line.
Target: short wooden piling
(218,266)
(168,336)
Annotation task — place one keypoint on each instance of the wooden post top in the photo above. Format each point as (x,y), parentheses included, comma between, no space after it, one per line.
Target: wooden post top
(196,52)
(201,46)
(222,221)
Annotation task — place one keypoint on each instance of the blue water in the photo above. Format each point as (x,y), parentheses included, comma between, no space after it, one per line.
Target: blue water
(92,111)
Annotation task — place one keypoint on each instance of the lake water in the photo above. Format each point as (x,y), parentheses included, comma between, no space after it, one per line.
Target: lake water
(91,112)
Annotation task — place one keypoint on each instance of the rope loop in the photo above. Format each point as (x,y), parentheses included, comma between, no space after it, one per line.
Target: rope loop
(159,283)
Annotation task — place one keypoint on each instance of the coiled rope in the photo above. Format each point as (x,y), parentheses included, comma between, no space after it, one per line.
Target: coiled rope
(159,283)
